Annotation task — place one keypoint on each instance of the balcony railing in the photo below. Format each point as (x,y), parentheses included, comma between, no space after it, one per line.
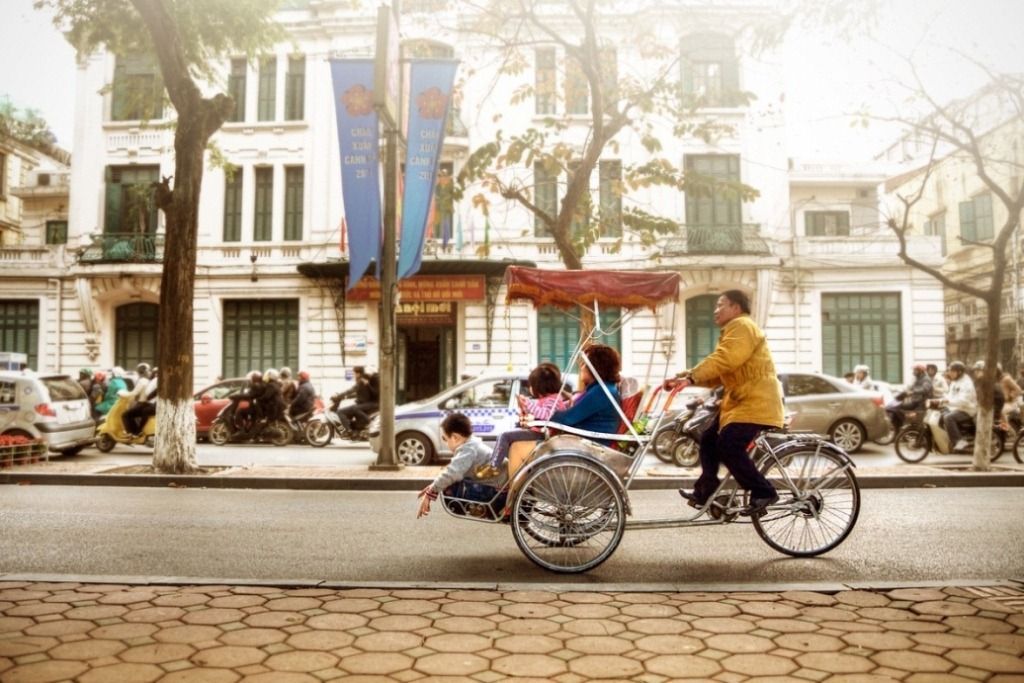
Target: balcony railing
(717,239)
(124,247)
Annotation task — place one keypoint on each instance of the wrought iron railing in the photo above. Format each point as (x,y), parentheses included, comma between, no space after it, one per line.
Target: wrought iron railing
(718,239)
(124,247)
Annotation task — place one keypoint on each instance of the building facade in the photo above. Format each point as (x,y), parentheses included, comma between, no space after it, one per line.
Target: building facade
(272,261)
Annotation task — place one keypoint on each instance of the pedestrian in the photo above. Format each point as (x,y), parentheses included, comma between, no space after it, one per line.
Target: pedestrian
(752,403)
(367,394)
(457,479)
(115,386)
(939,384)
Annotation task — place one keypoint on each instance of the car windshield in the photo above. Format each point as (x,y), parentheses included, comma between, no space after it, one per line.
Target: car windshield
(63,388)
(484,394)
(220,391)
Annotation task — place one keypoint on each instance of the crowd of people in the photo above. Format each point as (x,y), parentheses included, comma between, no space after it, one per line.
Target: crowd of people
(955,390)
(273,393)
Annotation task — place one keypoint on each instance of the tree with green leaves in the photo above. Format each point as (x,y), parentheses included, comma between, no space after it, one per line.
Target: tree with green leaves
(26,126)
(188,39)
(655,96)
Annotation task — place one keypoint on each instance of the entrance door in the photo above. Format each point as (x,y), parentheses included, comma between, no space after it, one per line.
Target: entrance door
(426,361)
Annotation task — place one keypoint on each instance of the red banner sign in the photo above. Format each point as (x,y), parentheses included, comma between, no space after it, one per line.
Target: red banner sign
(425,288)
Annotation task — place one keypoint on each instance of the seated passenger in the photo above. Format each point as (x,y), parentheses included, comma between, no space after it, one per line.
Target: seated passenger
(592,410)
(545,384)
(469,453)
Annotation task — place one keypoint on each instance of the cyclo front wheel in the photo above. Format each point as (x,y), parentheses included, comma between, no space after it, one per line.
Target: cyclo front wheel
(819,501)
(568,515)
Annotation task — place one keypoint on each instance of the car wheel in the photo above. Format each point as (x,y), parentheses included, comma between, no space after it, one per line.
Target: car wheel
(105,442)
(848,435)
(413,449)
(72,451)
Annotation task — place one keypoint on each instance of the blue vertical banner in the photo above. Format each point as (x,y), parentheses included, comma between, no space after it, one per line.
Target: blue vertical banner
(430,94)
(358,143)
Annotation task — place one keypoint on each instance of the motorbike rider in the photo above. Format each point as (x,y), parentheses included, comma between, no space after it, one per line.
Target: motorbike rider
(367,393)
(304,397)
(85,380)
(1011,391)
(962,404)
(862,378)
(939,384)
(272,401)
(289,386)
(115,385)
(913,398)
(247,418)
(138,395)
(135,418)
(998,397)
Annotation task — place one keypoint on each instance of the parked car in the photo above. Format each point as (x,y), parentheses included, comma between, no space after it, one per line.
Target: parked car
(488,401)
(209,401)
(828,405)
(53,408)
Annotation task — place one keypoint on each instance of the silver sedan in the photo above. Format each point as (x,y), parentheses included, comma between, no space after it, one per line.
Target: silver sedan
(828,405)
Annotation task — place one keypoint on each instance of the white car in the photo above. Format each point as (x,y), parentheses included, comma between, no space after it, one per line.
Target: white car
(53,408)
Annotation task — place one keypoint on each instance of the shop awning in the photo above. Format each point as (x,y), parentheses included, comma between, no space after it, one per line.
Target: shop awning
(570,288)
(486,267)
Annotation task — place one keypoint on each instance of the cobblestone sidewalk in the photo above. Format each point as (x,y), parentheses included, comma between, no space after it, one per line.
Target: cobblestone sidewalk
(117,633)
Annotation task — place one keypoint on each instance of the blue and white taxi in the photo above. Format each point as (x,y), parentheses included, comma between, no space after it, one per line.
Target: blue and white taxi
(489,401)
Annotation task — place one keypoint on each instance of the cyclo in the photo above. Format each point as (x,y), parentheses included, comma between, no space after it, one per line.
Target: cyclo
(567,499)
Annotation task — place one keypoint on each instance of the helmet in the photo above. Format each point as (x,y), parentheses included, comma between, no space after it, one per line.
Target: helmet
(142,368)
(85,372)
(303,376)
(957,366)
(862,368)
(99,376)
(919,367)
(118,371)
(980,365)
(255,376)
(286,372)
(154,371)
(270,375)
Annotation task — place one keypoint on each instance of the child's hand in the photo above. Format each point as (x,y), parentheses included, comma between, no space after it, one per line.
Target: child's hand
(425,496)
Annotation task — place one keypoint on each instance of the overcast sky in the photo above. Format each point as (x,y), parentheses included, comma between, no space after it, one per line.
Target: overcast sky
(826,79)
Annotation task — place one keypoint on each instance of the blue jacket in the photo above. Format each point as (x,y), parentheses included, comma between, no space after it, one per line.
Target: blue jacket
(592,411)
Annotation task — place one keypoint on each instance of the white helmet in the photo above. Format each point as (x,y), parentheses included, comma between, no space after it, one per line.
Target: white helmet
(862,368)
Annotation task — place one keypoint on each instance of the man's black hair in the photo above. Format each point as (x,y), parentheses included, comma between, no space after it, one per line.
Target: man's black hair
(457,423)
(739,298)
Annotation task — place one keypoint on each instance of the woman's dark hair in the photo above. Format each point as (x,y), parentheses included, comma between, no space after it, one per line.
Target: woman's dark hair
(738,298)
(606,362)
(457,423)
(545,379)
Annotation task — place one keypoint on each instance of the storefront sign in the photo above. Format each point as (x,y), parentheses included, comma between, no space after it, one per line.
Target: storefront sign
(426,288)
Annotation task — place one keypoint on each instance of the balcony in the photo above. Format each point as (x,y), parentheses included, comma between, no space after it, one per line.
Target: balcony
(717,239)
(124,247)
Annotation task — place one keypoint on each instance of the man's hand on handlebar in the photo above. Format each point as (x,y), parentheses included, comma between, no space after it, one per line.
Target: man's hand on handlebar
(682,379)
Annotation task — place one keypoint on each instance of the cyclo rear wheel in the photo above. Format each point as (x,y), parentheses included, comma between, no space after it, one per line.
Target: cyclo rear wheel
(819,501)
(568,515)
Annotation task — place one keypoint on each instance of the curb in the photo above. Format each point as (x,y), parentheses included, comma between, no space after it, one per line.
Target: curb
(866,481)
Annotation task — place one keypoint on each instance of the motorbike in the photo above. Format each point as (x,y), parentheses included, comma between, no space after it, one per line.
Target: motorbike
(111,432)
(231,425)
(323,426)
(898,418)
(915,441)
(671,443)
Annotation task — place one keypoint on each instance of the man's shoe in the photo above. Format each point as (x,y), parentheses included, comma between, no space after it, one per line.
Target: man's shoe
(692,499)
(960,445)
(758,506)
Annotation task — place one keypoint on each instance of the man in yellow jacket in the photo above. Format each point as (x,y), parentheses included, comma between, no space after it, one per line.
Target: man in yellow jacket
(743,365)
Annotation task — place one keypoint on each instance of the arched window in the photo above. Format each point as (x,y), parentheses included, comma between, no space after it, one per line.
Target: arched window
(135,334)
(701,331)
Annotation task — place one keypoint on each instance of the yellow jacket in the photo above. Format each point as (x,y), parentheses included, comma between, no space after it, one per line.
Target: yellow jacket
(743,364)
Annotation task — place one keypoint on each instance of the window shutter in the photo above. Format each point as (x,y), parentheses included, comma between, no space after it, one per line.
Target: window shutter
(112,210)
(968,230)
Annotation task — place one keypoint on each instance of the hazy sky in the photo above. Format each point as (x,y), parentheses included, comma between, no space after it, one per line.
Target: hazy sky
(826,79)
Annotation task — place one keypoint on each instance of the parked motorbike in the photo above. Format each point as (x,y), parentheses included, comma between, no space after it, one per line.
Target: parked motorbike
(110,430)
(915,441)
(323,426)
(672,445)
(231,425)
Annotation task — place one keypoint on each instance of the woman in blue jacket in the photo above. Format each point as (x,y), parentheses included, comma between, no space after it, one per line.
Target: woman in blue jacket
(592,410)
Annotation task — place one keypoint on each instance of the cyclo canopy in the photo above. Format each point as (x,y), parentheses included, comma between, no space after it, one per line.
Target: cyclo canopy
(626,289)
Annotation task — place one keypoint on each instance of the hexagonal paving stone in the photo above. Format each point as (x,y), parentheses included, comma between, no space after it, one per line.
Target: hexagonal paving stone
(727,625)
(809,642)
(137,673)
(215,616)
(154,615)
(44,672)
(906,660)
(96,612)
(124,631)
(978,624)
(375,663)
(302,661)
(669,644)
(1007,642)
(787,625)
(237,601)
(606,666)
(292,604)
(469,609)
(916,594)
(451,664)
(944,608)
(590,611)
(710,609)
(62,627)
(457,642)
(886,614)
(229,656)
(281,677)
(201,676)
(809,598)
(180,599)
(759,664)
(463,625)
(276,619)
(835,662)
(531,610)
(879,641)
(87,649)
(861,598)
(253,637)
(351,605)
(775,610)
(186,634)
(473,596)
(16,646)
(323,640)
(126,597)
(388,641)
(527,644)
(35,610)
(987,660)
(738,643)
(535,666)
(392,622)
(529,596)
(582,627)
(156,653)
(682,666)
(585,597)
(595,645)
(947,640)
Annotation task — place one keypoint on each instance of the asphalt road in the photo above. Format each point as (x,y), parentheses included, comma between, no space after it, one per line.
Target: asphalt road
(903,536)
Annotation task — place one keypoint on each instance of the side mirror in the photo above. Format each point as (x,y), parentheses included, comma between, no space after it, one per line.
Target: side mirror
(205,398)
(451,404)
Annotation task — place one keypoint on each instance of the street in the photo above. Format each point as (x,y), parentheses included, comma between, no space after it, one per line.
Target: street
(903,535)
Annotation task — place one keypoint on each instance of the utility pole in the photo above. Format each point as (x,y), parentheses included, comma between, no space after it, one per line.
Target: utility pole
(386,90)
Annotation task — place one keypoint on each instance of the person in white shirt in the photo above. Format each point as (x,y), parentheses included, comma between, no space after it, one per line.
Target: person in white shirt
(137,397)
(862,378)
(939,385)
(962,402)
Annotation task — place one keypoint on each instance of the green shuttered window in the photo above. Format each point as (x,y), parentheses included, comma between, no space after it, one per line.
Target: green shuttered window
(130,203)
(266,108)
(558,333)
(862,328)
(236,88)
(295,89)
(260,334)
(294,182)
(263,216)
(233,205)
(19,328)
(135,335)
(701,331)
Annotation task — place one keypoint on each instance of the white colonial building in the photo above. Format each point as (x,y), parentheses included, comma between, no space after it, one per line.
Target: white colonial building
(270,284)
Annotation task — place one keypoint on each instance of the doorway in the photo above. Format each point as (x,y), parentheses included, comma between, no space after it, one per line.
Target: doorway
(426,360)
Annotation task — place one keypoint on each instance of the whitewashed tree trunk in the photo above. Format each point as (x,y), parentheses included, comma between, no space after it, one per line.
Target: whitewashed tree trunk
(983,441)
(175,449)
